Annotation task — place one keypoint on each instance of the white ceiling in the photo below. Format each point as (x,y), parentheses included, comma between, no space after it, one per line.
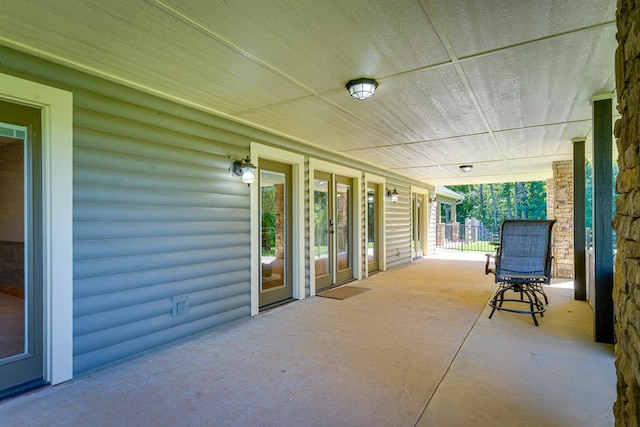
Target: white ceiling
(501,84)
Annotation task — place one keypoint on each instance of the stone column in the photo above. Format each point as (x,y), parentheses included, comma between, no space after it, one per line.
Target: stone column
(455,231)
(626,287)
(563,214)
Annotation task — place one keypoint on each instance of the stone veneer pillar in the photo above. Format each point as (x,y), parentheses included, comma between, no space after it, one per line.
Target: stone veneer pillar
(626,287)
(562,212)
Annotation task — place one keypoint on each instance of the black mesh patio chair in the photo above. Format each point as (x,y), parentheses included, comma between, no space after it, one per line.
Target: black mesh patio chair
(522,264)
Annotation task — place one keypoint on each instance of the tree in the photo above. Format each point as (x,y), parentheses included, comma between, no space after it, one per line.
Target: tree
(481,200)
(495,208)
(524,200)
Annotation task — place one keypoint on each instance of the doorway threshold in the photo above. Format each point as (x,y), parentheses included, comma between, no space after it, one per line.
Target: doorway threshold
(275,305)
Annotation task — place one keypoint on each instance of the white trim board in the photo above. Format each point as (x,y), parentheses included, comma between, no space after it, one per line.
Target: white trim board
(57,242)
(380,181)
(297,171)
(321,165)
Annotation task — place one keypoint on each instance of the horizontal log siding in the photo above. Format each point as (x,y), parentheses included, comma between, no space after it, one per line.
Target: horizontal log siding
(398,225)
(156,216)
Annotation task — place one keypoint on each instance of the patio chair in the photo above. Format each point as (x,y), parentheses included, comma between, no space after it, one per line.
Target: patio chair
(522,264)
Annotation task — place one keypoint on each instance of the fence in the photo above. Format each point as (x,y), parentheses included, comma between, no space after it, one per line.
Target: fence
(464,237)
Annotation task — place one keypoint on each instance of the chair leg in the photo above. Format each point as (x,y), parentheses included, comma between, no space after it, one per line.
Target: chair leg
(532,306)
(535,303)
(499,296)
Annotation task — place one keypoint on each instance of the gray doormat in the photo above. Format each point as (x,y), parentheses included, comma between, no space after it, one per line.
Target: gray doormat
(343,292)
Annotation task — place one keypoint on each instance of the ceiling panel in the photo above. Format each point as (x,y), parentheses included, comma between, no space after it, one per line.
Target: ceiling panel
(500,84)
(551,140)
(475,26)
(323,44)
(140,44)
(516,88)
(391,157)
(478,174)
(536,164)
(421,173)
(456,151)
(317,122)
(419,106)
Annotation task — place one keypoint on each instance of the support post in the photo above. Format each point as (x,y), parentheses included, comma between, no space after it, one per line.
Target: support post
(602,215)
(579,222)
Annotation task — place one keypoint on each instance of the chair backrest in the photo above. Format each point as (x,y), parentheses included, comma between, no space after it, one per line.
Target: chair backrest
(525,248)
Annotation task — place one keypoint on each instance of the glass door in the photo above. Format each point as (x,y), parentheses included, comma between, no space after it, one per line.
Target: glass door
(417,224)
(323,228)
(372,228)
(343,229)
(276,280)
(333,246)
(21,293)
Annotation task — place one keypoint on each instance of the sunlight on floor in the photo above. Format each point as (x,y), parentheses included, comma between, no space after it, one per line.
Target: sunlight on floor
(562,283)
(458,255)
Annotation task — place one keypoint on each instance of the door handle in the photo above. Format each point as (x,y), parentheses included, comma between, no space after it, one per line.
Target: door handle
(331,226)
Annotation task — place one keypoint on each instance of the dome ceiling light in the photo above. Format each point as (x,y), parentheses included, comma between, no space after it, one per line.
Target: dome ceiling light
(362,89)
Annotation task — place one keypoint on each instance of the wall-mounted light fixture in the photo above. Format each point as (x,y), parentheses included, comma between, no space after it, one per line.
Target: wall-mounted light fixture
(362,89)
(466,168)
(245,169)
(393,195)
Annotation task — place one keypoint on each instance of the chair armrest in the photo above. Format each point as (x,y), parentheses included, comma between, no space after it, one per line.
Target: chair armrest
(488,270)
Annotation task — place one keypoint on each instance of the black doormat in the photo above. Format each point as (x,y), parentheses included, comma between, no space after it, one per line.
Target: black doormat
(343,292)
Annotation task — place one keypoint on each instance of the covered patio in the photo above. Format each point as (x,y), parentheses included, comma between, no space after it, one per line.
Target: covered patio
(417,348)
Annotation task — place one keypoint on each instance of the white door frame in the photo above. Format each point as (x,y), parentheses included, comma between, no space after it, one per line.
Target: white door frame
(297,216)
(423,194)
(321,165)
(382,239)
(57,239)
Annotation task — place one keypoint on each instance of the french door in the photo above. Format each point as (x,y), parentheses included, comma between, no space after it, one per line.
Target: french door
(417,225)
(21,285)
(333,219)
(276,279)
(373,218)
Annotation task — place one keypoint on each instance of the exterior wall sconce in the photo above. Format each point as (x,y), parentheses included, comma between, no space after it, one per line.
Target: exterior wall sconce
(466,168)
(393,195)
(362,89)
(245,169)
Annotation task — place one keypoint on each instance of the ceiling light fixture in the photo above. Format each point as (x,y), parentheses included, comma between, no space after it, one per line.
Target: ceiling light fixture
(466,168)
(362,89)
(245,169)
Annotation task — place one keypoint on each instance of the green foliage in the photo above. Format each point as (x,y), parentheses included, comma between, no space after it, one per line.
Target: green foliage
(268,218)
(493,203)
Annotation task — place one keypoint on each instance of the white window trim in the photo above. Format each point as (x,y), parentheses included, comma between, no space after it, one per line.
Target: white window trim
(57,185)
(380,181)
(297,176)
(321,165)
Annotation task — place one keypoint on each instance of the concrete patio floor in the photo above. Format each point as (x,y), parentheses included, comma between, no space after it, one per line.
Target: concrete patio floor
(417,349)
